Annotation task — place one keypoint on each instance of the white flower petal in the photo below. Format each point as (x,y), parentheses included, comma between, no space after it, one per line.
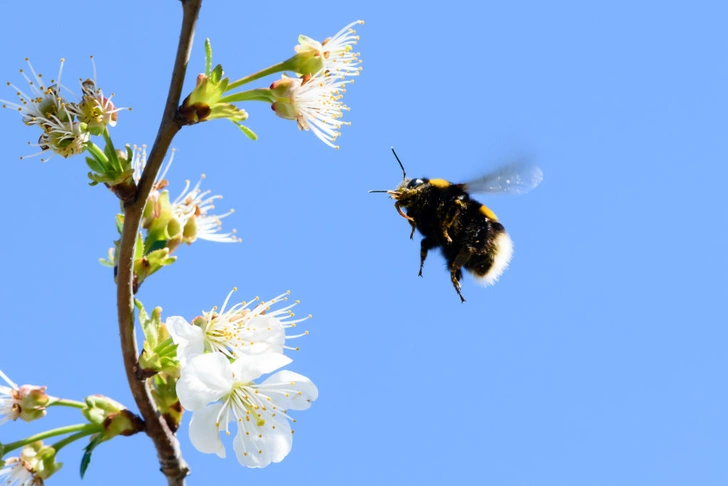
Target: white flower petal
(263,334)
(204,431)
(248,368)
(14,473)
(204,379)
(190,339)
(260,446)
(7,380)
(290,390)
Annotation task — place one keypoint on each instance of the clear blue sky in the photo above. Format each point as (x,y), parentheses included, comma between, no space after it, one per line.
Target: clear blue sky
(598,359)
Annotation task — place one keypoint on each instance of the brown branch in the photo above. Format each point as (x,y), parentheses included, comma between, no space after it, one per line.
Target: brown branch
(170,458)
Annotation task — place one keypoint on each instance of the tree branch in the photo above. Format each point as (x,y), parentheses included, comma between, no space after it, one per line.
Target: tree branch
(171,462)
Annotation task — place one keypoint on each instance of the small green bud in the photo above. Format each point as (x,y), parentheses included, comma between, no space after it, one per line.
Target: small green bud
(98,407)
(204,104)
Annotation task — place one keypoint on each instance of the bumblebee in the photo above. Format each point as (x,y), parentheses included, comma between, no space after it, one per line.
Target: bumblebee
(467,232)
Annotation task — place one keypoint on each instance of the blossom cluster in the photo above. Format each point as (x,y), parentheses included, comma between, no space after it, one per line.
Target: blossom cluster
(221,353)
(212,365)
(314,98)
(170,222)
(311,96)
(66,126)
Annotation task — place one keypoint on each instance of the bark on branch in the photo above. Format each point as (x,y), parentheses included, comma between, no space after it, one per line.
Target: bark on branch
(171,462)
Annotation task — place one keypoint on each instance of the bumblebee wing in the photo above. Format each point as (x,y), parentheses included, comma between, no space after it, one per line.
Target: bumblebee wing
(515,178)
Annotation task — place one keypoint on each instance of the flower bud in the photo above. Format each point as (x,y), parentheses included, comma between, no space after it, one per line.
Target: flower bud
(203,103)
(98,408)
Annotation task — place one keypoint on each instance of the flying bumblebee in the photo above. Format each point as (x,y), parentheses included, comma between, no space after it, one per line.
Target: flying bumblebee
(467,232)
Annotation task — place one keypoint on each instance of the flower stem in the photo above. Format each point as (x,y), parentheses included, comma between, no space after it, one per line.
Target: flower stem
(276,68)
(110,149)
(258,94)
(97,152)
(72,438)
(86,429)
(64,402)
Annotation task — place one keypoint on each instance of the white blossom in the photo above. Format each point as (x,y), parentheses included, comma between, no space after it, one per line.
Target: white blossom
(240,329)
(314,102)
(336,52)
(219,392)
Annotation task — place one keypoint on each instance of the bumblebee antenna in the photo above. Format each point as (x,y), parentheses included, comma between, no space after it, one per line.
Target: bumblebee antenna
(404,172)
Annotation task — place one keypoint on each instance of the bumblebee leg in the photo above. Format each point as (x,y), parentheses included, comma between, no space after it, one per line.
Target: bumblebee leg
(426,245)
(410,220)
(455,269)
(401,213)
(450,218)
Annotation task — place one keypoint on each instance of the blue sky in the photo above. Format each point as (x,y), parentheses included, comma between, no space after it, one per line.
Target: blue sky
(598,359)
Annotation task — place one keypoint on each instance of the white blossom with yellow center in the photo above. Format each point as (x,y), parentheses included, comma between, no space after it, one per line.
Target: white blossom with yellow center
(336,52)
(219,392)
(239,330)
(315,103)
(192,205)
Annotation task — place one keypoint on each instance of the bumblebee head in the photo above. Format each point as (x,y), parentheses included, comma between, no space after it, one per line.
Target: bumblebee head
(408,188)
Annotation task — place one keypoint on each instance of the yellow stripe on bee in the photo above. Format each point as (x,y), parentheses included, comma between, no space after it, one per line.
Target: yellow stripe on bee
(440,183)
(488,213)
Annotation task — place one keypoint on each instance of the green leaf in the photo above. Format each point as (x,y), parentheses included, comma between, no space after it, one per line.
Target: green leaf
(119,222)
(86,459)
(156,245)
(208,57)
(94,165)
(216,74)
(139,247)
(247,131)
(106,262)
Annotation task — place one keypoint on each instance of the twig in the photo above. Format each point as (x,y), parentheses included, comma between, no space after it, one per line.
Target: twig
(171,462)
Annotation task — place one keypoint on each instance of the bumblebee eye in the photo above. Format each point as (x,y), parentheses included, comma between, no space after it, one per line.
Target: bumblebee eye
(415,183)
